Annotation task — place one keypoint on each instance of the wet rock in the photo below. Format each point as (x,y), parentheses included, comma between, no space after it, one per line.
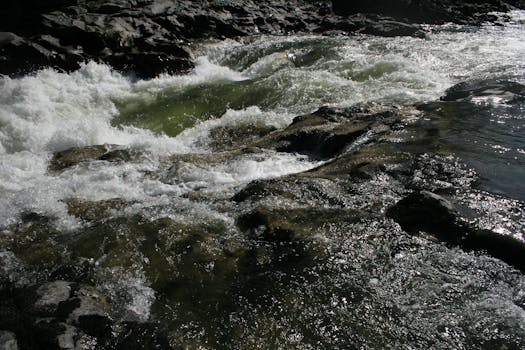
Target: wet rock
(501,246)
(35,246)
(88,310)
(148,65)
(77,155)
(93,211)
(19,56)
(323,134)
(8,341)
(367,170)
(320,143)
(147,38)
(232,137)
(503,91)
(254,190)
(50,295)
(429,212)
(276,224)
(137,336)
(77,271)
(168,251)
(326,115)
(16,15)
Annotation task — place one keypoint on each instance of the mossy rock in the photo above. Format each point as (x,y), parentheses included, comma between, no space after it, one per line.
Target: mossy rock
(167,250)
(93,210)
(74,156)
(283,224)
(235,136)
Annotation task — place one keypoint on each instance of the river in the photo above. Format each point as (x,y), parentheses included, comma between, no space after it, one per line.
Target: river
(366,294)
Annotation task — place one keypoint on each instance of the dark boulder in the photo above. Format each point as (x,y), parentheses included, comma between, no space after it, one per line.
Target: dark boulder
(431,213)
(507,91)
(24,16)
(501,246)
(88,310)
(147,65)
(427,11)
(19,56)
(322,134)
(62,160)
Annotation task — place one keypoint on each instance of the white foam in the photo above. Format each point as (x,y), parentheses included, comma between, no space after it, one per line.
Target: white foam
(51,111)
(198,136)
(240,170)
(269,64)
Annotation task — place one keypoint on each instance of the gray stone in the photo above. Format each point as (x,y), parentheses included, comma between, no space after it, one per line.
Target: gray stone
(8,341)
(51,295)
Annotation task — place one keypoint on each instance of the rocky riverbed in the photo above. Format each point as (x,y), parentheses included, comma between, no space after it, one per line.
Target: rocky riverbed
(359,186)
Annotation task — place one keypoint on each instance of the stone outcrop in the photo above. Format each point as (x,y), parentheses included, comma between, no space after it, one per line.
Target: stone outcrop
(150,37)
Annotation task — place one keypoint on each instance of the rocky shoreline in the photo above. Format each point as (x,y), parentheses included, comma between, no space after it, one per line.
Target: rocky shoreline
(149,37)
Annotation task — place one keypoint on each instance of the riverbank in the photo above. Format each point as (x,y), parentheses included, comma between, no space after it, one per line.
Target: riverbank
(146,38)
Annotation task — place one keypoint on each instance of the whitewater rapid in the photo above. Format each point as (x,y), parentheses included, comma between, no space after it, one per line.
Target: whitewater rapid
(51,111)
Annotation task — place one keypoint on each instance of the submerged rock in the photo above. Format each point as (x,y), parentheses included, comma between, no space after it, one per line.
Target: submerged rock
(89,310)
(431,213)
(74,156)
(427,211)
(138,336)
(499,90)
(94,211)
(292,224)
(323,134)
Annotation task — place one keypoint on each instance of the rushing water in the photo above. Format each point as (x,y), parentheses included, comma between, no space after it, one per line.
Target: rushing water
(358,297)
